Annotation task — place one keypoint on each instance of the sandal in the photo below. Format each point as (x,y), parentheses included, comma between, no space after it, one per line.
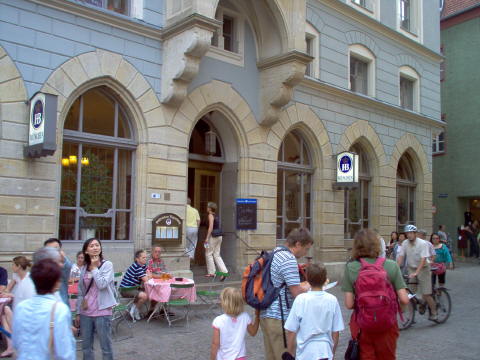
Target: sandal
(209,275)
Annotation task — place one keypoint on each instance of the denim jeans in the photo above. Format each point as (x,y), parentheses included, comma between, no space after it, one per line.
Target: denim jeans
(102,326)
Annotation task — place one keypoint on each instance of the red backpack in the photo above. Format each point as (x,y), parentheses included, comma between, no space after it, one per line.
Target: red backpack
(376,302)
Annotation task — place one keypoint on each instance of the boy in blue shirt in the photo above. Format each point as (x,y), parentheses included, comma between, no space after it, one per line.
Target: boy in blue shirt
(314,337)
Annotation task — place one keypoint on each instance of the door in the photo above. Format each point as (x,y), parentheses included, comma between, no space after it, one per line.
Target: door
(206,189)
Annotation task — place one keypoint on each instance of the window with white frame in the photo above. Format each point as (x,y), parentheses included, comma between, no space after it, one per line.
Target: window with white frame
(410,18)
(362,70)
(294,185)
(406,192)
(98,167)
(357,200)
(368,7)
(228,41)
(409,89)
(438,143)
(120,6)
(312,38)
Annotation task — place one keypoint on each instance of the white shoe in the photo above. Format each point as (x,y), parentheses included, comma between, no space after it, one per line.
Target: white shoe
(132,312)
(138,316)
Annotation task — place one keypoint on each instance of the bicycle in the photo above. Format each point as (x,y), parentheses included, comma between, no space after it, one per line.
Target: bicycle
(441,298)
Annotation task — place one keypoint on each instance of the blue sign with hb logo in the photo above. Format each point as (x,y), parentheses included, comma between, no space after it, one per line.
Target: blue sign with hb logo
(345,164)
(37,116)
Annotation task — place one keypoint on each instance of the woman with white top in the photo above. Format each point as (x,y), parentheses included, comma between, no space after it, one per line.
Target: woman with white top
(42,324)
(96,299)
(20,288)
(76,268)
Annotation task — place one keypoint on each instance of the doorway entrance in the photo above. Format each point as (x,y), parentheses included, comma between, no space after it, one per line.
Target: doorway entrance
(212,177)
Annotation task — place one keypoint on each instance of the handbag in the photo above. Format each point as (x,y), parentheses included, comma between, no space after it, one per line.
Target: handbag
(84,304)
(287,356)
(439,268)
(353,350)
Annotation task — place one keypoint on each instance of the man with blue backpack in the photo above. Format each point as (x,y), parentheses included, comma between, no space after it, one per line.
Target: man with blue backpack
(276,276)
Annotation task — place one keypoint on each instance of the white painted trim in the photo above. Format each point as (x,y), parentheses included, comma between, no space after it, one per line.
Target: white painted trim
(408,73)
(314,35)
(417,17)
(373,13)
(415,46)
(362,53)
(218,52)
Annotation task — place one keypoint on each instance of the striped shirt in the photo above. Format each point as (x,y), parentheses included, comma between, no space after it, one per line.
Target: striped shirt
(284,269)
(134,275)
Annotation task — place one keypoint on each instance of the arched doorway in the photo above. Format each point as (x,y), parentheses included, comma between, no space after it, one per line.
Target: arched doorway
(213,176)
(96,198)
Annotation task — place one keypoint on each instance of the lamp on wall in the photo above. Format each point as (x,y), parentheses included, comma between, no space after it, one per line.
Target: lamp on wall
(72,159)
(210,143)
(85,161)
(65,162)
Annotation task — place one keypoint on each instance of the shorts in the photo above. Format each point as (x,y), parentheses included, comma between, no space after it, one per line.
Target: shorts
(424,286)
(129,293)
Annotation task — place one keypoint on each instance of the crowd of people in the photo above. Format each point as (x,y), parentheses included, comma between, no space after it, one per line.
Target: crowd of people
(39,316)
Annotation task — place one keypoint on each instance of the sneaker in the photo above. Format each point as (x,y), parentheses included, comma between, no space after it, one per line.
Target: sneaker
(433,317)
(138,316)
(132,312)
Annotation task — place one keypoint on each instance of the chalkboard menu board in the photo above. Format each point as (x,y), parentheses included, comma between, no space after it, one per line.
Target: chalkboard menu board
(166,230)
(246,214)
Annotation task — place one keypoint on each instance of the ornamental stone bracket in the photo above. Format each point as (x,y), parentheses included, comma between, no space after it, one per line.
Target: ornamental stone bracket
(184,45)
(278,76)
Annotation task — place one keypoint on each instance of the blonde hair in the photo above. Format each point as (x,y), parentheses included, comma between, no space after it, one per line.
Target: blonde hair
(232,301)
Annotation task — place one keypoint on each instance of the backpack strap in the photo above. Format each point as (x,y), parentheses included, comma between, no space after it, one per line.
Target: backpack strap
(380,261)
(51,344)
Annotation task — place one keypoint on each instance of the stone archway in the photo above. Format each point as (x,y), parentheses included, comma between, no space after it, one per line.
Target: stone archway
(381,201)
(97,68)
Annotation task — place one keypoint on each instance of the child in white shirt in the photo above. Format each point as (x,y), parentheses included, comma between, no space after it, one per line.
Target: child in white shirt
(315,320)
(229,329)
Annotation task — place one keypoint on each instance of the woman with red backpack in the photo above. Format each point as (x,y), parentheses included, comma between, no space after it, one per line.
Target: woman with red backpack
(373,288)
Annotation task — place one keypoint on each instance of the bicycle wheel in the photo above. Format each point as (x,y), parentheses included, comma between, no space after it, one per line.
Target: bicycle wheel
(408,314)
(444,305)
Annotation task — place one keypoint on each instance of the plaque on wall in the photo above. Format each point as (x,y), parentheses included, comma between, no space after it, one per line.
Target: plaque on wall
(167,230)
(246,218)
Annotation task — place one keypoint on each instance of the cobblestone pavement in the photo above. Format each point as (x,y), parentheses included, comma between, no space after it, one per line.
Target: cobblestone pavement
(456,339)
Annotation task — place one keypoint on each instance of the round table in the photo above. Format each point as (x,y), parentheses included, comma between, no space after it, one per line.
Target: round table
(160,290)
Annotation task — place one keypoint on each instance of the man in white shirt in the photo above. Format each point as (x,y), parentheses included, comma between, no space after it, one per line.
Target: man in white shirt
(417,253)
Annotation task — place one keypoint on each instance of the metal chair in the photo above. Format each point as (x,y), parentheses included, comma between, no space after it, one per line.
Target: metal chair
(177,303)
(210,296)
(120,311)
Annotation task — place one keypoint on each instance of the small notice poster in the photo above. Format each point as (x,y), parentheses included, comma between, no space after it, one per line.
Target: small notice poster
(246,218)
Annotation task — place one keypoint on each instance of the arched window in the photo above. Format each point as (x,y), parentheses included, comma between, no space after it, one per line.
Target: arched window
(357,200)
(294,185)
(406,186)
(97,166)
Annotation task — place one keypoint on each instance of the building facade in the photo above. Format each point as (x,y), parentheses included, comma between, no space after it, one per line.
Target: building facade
(217,100)
(456,190)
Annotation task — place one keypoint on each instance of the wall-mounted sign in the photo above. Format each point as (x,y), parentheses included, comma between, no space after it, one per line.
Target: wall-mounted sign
(42,126)
(246,218)
(443,196)
(167,230)
(347,165)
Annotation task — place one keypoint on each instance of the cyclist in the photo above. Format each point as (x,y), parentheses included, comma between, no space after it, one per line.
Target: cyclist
(417,252)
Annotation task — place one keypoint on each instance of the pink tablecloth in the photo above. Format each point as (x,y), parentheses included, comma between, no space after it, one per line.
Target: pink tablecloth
(160,290)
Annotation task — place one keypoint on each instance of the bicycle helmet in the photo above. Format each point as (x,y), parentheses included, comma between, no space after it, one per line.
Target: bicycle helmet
(410,228)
